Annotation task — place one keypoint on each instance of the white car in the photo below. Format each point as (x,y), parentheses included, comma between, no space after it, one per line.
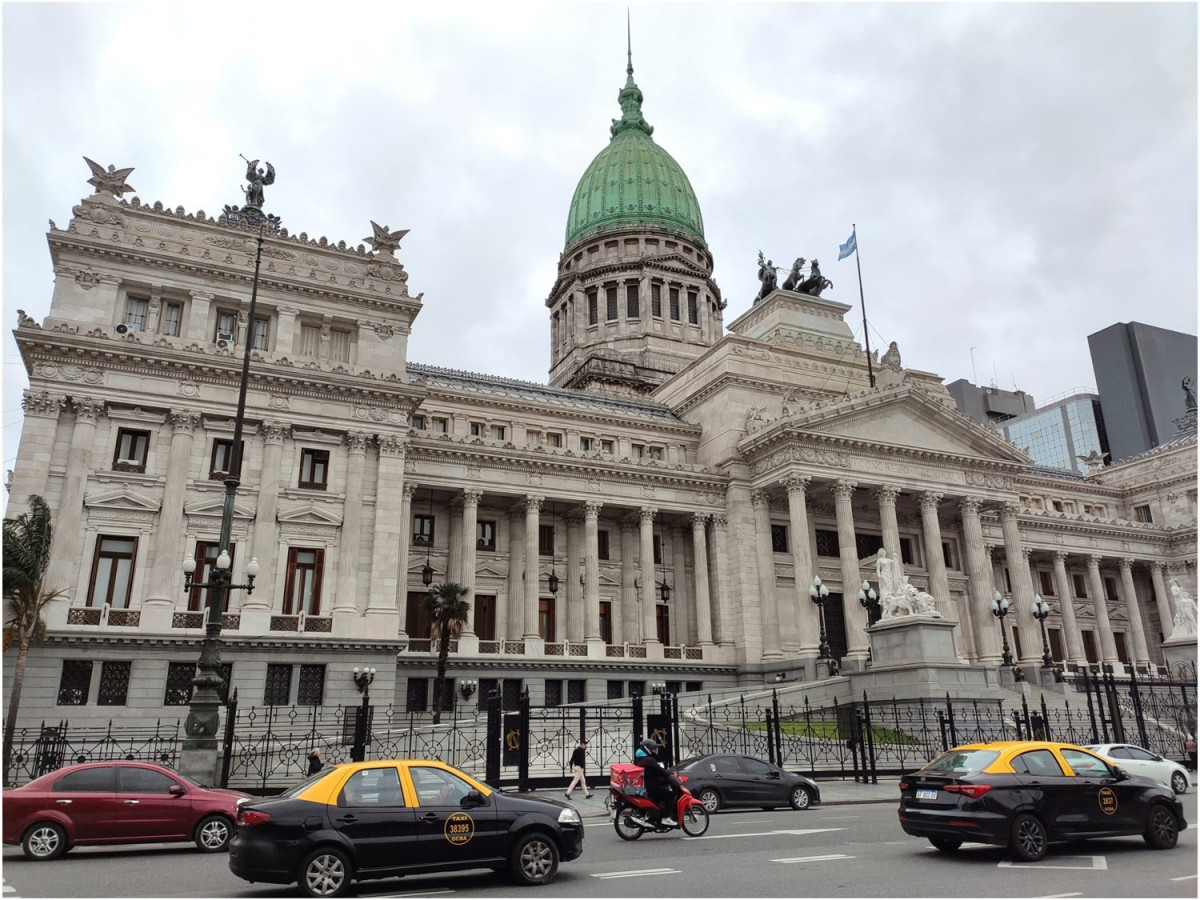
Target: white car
(1139,761)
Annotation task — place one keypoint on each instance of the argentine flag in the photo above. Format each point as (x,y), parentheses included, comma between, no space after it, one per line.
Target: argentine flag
(847,248)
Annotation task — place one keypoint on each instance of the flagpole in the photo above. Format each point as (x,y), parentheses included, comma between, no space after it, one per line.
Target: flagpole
(863,304)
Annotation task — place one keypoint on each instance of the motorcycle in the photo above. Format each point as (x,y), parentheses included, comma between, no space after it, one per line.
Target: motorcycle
(635,814)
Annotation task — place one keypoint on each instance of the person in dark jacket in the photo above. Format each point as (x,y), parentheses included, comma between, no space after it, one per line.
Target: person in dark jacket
(578,764)
(314,762)
(661,786)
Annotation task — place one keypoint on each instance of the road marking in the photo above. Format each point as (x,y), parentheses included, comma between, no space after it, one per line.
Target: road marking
(827,856)
(635,873)
(746,834)
(429,893)
(1184,878)
(1054,896)
(1095,864)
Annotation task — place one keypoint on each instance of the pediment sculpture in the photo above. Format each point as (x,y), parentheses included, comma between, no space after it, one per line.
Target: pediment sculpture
(897,597)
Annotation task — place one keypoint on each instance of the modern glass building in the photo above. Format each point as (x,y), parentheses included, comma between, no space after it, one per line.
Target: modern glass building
(1061,431)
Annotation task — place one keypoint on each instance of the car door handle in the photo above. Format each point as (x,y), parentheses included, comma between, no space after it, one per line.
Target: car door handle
(348,818)
(132,802)
(430,818)
(63,802)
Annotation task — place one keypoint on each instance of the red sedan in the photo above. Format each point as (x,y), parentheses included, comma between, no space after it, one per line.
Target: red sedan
(116,802)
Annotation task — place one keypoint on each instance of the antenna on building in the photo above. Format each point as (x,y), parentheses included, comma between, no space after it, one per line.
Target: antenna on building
(628,44)
(974,377)
(994,378)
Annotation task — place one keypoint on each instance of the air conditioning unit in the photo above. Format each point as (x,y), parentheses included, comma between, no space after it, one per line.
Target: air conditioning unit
(225,340)
(125,328)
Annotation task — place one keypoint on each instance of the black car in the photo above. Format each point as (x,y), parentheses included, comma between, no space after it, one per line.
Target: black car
(1025,795)
(384,818)
(731,779)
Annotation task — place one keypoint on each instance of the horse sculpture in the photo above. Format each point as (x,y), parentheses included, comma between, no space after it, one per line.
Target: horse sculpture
(794,277)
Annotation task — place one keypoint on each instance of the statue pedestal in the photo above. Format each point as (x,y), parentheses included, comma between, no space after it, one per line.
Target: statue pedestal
(907,640)
(1180,651)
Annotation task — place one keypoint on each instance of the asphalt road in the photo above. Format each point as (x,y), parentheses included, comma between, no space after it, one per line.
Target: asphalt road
(830,851)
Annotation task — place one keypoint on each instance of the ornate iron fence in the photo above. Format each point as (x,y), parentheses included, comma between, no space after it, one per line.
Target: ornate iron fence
(45,749)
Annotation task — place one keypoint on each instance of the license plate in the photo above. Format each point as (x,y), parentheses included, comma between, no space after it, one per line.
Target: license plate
(926,795)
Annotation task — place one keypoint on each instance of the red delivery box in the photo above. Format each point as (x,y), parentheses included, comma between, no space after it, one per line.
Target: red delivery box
(627,779)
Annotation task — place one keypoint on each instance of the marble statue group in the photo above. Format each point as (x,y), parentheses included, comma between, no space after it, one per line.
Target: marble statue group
(897,597)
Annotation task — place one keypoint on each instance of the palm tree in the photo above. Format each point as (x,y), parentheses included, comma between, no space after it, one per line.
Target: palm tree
(26,556)
(448,612)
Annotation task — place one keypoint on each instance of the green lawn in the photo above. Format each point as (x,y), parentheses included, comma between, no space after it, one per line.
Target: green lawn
(817,729)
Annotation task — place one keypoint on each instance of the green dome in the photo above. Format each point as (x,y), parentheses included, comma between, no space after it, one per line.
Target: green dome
(633,181)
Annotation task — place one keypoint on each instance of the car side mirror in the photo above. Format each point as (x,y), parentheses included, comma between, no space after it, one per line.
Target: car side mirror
(774,774)
(473,798)
(1119,773)
(176,790)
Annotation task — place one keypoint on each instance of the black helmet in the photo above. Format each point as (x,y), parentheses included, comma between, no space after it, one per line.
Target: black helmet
(650,746)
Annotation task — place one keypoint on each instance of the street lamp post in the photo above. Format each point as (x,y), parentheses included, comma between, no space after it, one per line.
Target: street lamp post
(1040,610)
(362,680)
(818,593)
(869,600)
(1000,608)
(466,688)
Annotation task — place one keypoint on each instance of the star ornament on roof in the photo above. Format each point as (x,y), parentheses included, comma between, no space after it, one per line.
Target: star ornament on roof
(384,240)
(111,181)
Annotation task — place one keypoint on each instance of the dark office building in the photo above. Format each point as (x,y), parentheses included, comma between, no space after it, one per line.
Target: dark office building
(989,405)
(1139,374)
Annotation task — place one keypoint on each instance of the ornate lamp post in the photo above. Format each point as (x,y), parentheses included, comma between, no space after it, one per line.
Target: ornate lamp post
(1000,608)
(869,600)
(818,593)
(466,688)
(362,680)
(1040,610)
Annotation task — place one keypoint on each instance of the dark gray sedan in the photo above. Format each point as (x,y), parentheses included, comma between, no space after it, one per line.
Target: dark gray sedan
(722,780)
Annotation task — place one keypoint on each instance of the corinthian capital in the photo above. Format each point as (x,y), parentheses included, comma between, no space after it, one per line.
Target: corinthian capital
(796,484)
(471,497)
(274,432)
(1010,510)
(591,509)
(760,498)
(391,445)
(43,403)
(970,506)
(356,441)
(930,500)
(886,494)
(843,489)
(184,421)
(87,409)
(533,504)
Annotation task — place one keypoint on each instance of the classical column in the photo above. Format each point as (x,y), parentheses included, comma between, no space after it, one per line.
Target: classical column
(1108,645)
(533,506)
(719,564)
(591,572)
(853,613)
(1141,653)
(1162,600)
(704,632)
(169,536)
(935,563)
(979,582)
(345,599)
(405,541)
(630,623)
(1022,585)
(265,543)
(38,434)
(768,602)
(885,496)
(516,570)
(573,588)
(67,544)
(682,596)
(804,612)
(1062,586)
(646,596)
(467,552)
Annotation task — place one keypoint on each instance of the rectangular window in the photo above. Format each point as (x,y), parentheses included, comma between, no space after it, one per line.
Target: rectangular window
(112,572)
(606,621)
(206,560)
(827,543)
(418,423)
(906,552)
(441,426)
(261,333)
(499,432)
(616,690)
(137,310)
(585,444)
(606,447)
(610,302)
(422,530)
(545,540)
(75,683)
(1089,646)
(553,692)
(674,295)
(656,543)
(1080,585)
(339,345)
(662,622)
(278,689)
(779,539)
(593,310)
(867,545)
(602,544)
(114,683)
(631,301)
(476,429)
(693,302)
(656,300)
(1122,650)
(311,690)
(221,463)
(1046,580)
(485,535)
(1142,514)
(638,450)
(314,469)
(310,340)
(226,326)
(172,317)
(553,439)
(656,454)
(485,617)
(1056,644)
(302,593)
(179,683)
(576,690)
(948,556)
(546,620)
(1110,590)
(131,451)
(417,621)
(416,697)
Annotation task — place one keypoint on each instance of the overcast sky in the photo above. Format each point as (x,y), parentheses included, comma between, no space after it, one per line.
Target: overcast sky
(1021,174)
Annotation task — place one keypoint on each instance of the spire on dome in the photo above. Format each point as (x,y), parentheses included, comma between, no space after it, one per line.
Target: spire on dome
(630,97)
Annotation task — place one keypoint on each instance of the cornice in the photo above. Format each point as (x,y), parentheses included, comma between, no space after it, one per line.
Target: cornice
(320,643)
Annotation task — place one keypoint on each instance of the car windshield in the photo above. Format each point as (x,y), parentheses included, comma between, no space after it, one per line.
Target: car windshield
(961,762)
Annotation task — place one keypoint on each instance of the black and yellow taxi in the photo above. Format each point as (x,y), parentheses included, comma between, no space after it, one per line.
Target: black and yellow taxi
(386,818)
(1025,795)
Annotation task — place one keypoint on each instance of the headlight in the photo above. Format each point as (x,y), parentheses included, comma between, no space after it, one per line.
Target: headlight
(569,816)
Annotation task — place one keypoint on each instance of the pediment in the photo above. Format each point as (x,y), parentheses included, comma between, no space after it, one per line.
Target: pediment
(907,418)
(122,498)
(216,508)
(489,572)
(308,514)
(607,581)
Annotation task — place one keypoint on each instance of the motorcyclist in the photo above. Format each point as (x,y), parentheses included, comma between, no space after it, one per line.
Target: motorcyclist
(661,786)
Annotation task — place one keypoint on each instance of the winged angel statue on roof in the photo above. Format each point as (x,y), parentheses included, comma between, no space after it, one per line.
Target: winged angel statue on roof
(258,179)
(111,181)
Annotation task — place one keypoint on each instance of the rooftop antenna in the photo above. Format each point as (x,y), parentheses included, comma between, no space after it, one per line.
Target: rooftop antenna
(974,377)
(628,44)
(994,378)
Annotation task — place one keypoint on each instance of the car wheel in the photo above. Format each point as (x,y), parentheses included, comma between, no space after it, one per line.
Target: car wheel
(213,833)
(945,844)
(626,828)
(535,859)
(45,840)
(1028,843)
(1179,782)
(1163,831)
(710,798)
(695,820)
(326,872)
(800,797)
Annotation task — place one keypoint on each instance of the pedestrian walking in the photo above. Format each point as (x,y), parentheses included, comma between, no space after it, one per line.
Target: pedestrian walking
(314,762)
(1189,747)
(578,763)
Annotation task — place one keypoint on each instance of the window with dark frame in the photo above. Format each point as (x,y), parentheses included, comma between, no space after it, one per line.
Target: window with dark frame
(602,544)
(260,333)
(553,692)
(278,688)
(693,307)
(545,540)
(172,318)
(673,294)
(632,307)
(1110,590)
(221,463)
(576,690)
(907,556)
(779,539)
(593,307)
(179,683)
(226,325)
(132,450)
(114,682)
(606,621)
(75,683)
(137,311)
(314,469)
(112,571)
(662,623)
(485,617)
(1047,582)
(616,690)
(1080,584)
(1143,514)
(610,302)
(422,529)
(206,560)
(485,535)
(948,555)
(418,623)
(656,544)
(828,543)
(416,695)
(546,623)
(311,689)
(302,593)
(656,300)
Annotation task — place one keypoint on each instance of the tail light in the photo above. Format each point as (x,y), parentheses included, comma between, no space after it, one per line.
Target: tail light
(904,785)
(252,817)
(974,791)
(682,778)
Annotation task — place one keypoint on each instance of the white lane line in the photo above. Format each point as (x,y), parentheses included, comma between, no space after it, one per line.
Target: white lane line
(1185,878)
(828,856)
(1055,896)
(1094,864)
(746,834)
(636,873)
(432,892)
